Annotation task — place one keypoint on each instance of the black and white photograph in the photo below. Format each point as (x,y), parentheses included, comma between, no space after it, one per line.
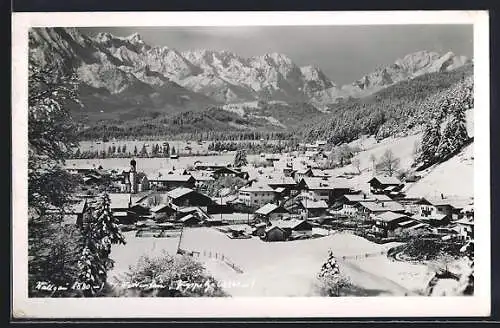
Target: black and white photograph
(326,160)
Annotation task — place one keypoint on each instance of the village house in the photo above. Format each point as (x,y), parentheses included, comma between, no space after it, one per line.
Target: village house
(437,209)
(202,178)
(227,171)
(312,208)
(295,228)
(163,212)
(75,168)
(326,189)
(172,181)
(390,224)
(385,185)
(321,174)
(466,228)
(349,202)
(119,206)
(256,195)
(210,166)
(274,233)
(271,212)
(302,173)
(282,185)
(188,197)
(190,220)
(371,209)
(259,229)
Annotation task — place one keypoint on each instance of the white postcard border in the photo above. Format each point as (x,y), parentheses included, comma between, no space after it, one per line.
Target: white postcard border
(24,307)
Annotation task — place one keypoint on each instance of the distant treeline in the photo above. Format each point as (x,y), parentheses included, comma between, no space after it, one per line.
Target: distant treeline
(211,124)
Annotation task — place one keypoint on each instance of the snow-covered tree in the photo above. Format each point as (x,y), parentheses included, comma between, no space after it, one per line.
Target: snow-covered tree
(99,230)
(388,163)
(430,142)
(331,281)
(50,140)
(240,158)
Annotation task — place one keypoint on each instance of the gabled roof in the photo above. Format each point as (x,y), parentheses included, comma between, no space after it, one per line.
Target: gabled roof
(173,177)
(386,180)
(257,188)
(179,192)
(270,208)
(279,180)
(320,173)
(311,204)
(272,228)
(466,221)
(160,207)
(315,183)
(119,200)
(390,216)
(290,224)
(382,206)
(188,217)
(435,217)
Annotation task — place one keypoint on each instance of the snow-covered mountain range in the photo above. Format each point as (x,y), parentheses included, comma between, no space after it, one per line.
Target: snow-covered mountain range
(125,71)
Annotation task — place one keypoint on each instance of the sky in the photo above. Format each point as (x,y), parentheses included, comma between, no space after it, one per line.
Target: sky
(344,53)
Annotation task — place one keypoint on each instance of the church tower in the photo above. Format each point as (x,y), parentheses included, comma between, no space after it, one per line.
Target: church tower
(133,177)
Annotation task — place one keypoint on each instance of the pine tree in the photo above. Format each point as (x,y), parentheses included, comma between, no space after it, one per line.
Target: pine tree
(173,150)
(240,159)
(331,279)
(135,150)
(457,129)
(100,230)
(430,142)
(124,149)
(144,151)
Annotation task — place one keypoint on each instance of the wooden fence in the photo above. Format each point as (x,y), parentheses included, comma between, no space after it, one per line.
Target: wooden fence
(215,255)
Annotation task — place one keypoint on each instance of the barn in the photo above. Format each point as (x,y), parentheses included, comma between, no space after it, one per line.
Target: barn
(188,197)
(274,233)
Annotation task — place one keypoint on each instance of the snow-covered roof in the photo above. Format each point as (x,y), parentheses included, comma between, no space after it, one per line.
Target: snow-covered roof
(386,180)
(119,200)
(120,214)
(390,216)
(160,207)
(383,206)
(257,188)
(290,224)
(179,192)
(278,180)
(172,177)
(310,204)
(269,208)
(188,217)
(466,221)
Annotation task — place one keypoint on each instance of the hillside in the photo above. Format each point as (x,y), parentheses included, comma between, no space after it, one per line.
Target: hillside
(437,179)
(396,110)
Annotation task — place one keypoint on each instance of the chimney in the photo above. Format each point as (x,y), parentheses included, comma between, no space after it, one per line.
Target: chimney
(364,196)
(382,204)
(442,196)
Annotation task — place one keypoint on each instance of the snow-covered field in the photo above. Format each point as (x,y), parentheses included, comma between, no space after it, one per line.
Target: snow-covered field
(155,164)
(279,268)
